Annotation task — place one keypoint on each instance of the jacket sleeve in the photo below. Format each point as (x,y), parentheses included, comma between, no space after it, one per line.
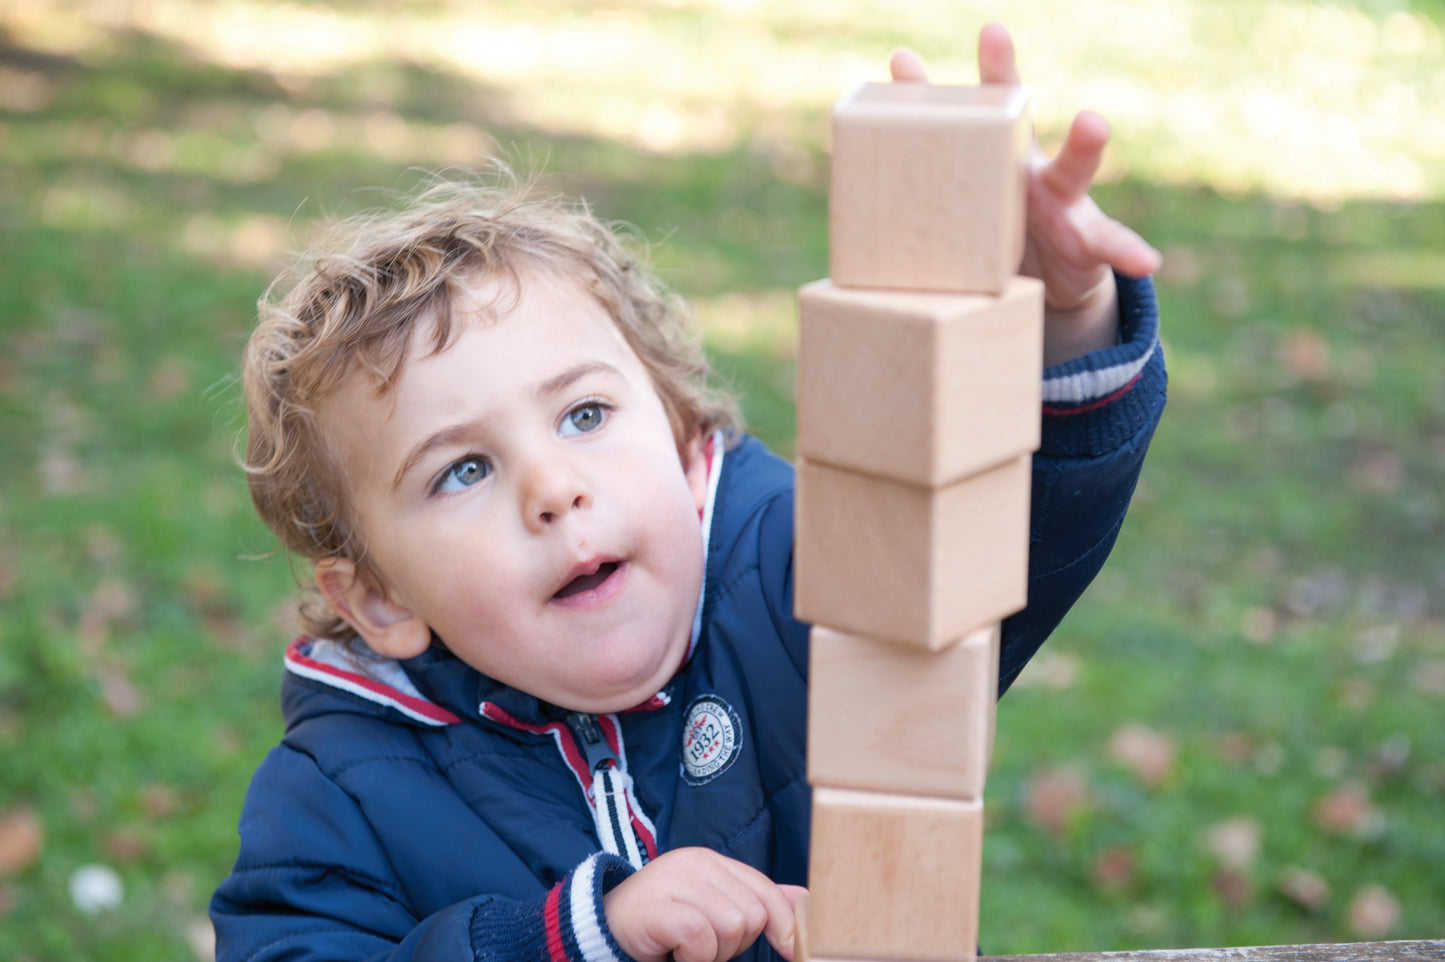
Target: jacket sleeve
(313,882)
(1100,411)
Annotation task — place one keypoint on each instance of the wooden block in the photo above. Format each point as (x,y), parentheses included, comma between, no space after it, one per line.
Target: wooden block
(801,950)
(928,186)
(886,718)
(919,387)
(894,877)
(915,565)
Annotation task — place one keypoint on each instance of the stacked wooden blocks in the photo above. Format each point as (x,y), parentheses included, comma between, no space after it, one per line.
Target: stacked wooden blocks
(918,409)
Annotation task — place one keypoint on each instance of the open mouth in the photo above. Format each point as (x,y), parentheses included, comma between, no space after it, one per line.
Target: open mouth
(588,582)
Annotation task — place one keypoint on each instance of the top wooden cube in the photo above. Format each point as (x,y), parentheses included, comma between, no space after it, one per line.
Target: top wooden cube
(928,186)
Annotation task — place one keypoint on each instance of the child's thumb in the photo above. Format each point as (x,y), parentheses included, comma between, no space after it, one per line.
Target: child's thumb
(785,928)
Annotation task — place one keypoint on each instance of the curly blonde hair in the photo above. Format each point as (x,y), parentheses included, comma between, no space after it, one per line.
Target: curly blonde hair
(351,305)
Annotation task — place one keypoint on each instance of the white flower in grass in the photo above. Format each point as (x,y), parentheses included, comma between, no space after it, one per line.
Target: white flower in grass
(96,888)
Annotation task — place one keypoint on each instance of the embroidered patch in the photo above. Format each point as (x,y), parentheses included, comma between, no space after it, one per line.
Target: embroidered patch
(711,738)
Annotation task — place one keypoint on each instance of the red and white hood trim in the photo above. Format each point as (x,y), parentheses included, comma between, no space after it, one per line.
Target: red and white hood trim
(378,680)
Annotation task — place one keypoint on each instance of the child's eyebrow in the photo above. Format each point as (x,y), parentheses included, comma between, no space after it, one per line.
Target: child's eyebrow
(573,374)
(553,385)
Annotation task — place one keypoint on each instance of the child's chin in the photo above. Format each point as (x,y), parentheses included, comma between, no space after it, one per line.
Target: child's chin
(628,686)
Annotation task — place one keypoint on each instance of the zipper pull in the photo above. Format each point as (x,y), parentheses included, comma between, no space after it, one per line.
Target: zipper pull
(589,738)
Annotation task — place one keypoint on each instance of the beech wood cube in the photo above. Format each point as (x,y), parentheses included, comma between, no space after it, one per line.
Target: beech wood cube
(802,951)
(921,387)
(908,564)
(893,877)
(886,718)
(928,186)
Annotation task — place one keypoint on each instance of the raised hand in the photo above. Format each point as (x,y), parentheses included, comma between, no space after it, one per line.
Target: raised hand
(1071,245)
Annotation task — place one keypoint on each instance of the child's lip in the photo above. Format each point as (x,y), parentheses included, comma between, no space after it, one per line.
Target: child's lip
(591,582)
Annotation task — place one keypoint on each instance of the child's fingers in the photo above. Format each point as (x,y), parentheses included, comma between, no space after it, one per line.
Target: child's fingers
(1071,173)
(996,62)
(906,66)
(1124,250)
(777,901)
(731,919)
(690,934)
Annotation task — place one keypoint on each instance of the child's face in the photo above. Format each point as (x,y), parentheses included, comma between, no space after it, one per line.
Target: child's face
(521,493)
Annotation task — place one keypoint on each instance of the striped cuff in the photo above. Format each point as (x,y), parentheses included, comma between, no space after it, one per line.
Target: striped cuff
(1096,402)
(575,922)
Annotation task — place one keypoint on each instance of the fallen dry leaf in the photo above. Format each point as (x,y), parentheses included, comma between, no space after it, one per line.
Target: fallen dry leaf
(1145,752)
(1347,811)
(1304,888)
(1115,867)
(126,846)
(1233,747)
(1306,354)
(1233,887)
(1378,471)
(1054,795)
(111,600)
(168,378)
(22,839)
(1373,912)
(159,800)
(119,692)
(1259,625)
(1235,842)
(61,472)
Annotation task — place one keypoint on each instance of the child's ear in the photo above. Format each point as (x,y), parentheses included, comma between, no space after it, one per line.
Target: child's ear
(694,466)
(388,626)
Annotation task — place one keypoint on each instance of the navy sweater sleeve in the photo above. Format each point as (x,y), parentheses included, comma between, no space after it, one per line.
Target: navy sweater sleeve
(314,882)
(1100,411)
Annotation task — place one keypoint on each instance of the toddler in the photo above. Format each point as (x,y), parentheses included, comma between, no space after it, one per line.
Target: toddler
(550,701)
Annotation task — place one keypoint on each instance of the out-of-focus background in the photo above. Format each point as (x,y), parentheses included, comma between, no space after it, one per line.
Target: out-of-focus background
(1235,739)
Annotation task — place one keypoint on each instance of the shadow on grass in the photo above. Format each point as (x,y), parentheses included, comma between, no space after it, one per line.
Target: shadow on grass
(1291,506)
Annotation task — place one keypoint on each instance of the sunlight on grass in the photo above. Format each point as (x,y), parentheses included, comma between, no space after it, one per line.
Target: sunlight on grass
(1232,740)
(766,321)
(1299,99)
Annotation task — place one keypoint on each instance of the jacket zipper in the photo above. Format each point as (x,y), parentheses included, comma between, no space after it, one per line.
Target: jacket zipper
(611,808)
(588,736)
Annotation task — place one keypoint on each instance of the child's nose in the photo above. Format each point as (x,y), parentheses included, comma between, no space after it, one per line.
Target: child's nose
(553,489)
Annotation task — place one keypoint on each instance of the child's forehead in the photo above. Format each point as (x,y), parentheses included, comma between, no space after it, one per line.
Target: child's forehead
(536,296)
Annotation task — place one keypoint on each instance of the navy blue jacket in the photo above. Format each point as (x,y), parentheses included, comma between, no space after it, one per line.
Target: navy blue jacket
(419,810)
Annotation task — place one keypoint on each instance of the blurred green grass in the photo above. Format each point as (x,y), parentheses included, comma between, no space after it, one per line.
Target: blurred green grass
(1249,696)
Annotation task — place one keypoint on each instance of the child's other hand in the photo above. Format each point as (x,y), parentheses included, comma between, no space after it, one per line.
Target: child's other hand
(699,906)
(1071,245)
